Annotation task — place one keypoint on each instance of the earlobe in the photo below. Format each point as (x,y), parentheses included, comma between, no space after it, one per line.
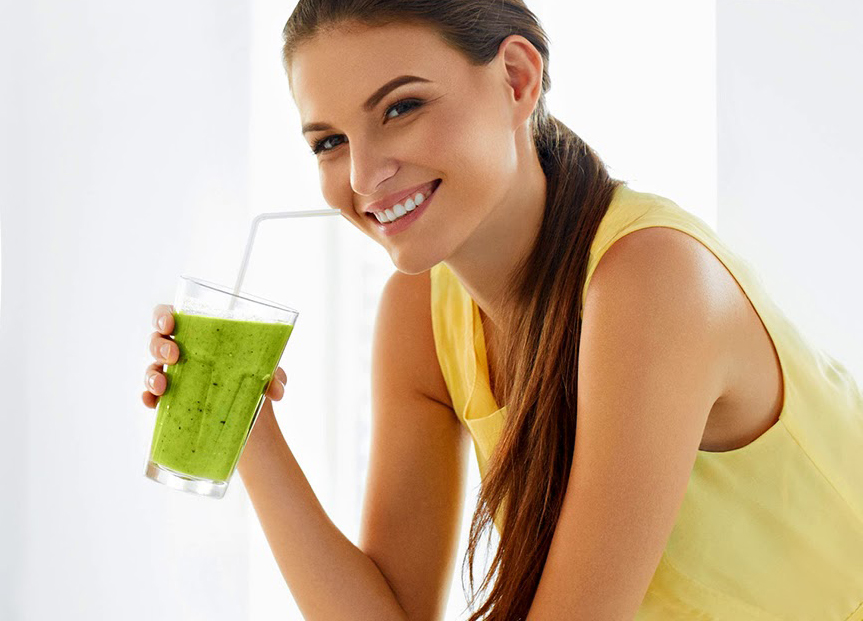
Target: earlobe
(524,67)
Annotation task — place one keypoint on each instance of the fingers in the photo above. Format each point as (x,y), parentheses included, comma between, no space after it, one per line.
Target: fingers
(156,383)
(163,313)
(163,350)
(154,380)
(276,389)
(150,400)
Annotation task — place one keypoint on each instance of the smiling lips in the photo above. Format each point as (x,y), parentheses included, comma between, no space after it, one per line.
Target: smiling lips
(399,210)
(401,199)
(402,222)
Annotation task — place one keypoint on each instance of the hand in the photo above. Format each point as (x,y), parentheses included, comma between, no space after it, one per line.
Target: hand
(157,382)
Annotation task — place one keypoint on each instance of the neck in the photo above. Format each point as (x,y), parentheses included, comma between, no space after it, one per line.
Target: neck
(502,241)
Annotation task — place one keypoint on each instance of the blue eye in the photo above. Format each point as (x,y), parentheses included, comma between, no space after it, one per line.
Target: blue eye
(405,104)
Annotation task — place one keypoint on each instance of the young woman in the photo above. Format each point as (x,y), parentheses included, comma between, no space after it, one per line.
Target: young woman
(670,447)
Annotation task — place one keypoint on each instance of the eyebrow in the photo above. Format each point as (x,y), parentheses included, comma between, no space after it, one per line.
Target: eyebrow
(372,101)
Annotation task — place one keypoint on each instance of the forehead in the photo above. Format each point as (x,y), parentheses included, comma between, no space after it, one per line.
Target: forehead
(338,69)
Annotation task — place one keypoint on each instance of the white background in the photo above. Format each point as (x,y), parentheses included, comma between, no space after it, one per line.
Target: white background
(137,141)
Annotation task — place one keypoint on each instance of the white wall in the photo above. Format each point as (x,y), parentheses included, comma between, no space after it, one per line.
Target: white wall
(790,156)
(14,451)
(128,138)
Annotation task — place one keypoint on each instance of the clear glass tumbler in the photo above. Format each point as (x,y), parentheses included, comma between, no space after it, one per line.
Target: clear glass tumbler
(230,347)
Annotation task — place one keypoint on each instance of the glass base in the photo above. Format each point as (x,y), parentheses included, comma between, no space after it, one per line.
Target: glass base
(185,482)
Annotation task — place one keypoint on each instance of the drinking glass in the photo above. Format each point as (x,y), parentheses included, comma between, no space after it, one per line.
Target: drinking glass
(230,346)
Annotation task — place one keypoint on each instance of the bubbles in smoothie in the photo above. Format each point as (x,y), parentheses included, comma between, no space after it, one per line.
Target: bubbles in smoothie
(195,307)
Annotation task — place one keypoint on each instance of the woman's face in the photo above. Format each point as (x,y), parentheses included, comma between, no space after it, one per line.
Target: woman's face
(455,126)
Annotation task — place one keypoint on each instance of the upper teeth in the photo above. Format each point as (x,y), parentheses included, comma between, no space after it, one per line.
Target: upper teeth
(397,211)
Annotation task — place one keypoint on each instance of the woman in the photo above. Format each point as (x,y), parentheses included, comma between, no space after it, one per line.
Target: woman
(715,473)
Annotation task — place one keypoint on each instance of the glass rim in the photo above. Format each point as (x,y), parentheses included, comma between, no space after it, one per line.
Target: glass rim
(243,296)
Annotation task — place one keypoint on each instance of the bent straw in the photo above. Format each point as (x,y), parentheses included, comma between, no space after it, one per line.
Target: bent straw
(270,216)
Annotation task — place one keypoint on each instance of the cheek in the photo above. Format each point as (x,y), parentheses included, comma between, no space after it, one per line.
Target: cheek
(479,157)
(335,186)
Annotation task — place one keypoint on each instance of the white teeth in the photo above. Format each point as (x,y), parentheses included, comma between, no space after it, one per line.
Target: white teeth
(399,210)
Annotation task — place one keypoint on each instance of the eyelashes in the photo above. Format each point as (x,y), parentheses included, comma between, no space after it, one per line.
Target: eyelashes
(411,104)
(318,146)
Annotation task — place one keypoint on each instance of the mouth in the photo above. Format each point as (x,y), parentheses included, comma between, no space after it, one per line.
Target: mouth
(403,222)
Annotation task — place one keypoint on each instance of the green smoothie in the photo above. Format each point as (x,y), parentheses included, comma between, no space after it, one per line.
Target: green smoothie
(214,392)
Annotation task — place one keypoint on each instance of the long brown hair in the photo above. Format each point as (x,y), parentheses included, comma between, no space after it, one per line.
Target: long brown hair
(539,374)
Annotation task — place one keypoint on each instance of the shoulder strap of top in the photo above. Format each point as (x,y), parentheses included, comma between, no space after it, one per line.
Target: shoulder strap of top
(631,210)
(452,324)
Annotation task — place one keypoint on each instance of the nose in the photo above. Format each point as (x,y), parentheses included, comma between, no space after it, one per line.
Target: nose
(370,166)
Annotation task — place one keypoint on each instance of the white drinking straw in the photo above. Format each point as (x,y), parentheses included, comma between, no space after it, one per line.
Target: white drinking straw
(269,216)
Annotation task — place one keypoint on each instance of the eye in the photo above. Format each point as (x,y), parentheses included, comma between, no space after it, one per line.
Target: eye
(318,146)
(410,103)
(406,105)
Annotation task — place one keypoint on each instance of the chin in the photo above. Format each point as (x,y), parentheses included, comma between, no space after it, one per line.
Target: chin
(416,262)
(413,266)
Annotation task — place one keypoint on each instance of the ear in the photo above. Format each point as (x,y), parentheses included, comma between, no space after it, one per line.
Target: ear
(522,64)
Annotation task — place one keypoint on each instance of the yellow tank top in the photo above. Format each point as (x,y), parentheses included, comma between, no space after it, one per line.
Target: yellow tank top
(772,530)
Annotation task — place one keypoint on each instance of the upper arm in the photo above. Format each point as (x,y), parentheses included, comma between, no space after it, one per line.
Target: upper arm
(651,365)
(415,487)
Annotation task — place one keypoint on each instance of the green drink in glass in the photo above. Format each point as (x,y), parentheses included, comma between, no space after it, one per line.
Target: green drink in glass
(230,347)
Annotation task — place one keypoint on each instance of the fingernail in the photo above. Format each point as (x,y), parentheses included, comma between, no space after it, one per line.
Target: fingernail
(162,323)
(152,381)
(166,349)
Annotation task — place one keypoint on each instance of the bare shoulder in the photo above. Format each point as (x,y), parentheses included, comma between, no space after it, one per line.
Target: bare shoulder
(662,259)
(656,246)
(665,279)
(404,332)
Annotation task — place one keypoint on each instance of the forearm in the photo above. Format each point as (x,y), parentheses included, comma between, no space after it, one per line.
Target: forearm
(329,577)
